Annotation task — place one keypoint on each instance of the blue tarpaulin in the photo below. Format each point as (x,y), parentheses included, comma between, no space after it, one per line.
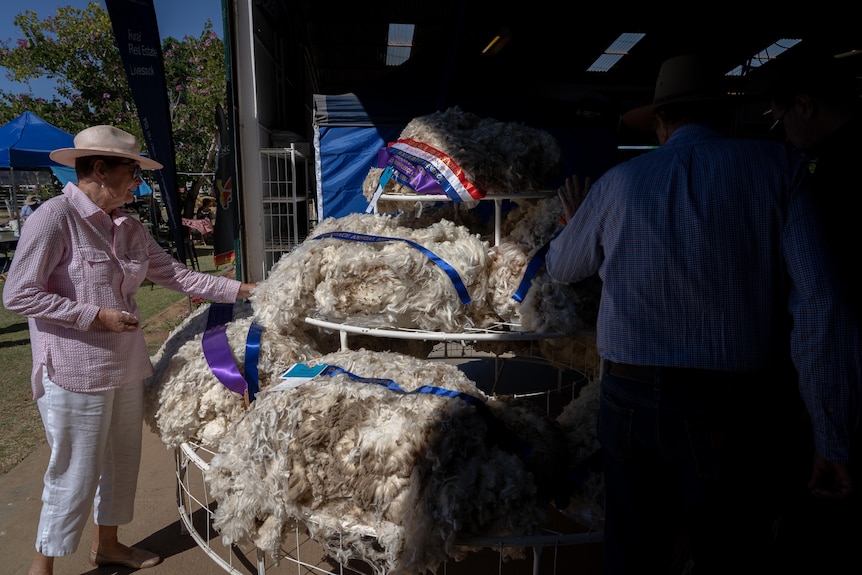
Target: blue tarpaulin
(347,136)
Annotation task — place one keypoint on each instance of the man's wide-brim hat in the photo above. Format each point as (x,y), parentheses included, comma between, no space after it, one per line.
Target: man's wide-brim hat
(104,141)
(31,200)
(688,78)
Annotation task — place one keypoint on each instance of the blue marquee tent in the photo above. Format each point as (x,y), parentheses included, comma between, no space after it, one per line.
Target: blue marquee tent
(26,142)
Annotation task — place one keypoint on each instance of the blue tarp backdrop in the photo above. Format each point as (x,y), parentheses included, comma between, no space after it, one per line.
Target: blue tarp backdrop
(347,137)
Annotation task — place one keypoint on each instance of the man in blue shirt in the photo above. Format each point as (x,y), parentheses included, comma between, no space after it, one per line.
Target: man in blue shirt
(708,254)
(30,204)
(816,104)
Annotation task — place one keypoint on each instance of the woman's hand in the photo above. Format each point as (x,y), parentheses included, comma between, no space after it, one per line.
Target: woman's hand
(245,291)
(118,321)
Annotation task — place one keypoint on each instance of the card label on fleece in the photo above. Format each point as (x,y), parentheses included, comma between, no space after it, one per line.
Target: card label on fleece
(297,374)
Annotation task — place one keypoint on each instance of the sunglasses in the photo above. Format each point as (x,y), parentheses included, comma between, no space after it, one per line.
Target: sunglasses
(138,170)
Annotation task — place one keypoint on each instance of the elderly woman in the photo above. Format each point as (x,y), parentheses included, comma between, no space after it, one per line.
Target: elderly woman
(78,265)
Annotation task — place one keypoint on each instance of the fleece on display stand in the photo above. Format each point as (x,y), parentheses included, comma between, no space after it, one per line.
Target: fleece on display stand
(350,130)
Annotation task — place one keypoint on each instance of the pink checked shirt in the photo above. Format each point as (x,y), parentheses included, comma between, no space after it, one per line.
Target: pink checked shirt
(72,259)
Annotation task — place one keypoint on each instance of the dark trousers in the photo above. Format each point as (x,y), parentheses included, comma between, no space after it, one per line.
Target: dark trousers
(692,466)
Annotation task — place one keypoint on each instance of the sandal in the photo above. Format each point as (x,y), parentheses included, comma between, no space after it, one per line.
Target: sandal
(136,559)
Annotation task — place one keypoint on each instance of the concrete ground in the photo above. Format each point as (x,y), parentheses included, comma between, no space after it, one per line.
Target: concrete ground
(157,527)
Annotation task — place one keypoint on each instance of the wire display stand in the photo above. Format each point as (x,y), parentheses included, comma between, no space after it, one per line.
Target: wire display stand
(498,200)
(495,357)
(553,549)
(498,333)
(300,554)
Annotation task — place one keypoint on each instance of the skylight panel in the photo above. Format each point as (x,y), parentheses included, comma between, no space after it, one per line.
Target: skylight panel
(760,58)
(615,52)
(400,43)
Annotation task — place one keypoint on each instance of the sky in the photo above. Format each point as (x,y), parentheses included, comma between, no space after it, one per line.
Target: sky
(175,18)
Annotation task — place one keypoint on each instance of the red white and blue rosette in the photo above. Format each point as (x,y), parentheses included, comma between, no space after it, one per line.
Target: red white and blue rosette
(426,170)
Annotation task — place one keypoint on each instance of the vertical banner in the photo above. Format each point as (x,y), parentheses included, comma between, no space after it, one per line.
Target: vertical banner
(136,33)
(228,170)
(227,219)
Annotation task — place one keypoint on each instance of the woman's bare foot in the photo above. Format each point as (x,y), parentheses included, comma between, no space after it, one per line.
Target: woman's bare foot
(131,557)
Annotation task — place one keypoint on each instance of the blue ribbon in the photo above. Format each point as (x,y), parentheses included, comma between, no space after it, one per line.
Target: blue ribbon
(381,183)
(463,294)
(537,261)
(497,430)
(252,355)
(391,385)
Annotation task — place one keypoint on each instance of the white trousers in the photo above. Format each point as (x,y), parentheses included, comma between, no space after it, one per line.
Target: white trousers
(95,441)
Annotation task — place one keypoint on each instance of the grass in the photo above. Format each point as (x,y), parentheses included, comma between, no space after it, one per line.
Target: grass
(20,426)
(21,429)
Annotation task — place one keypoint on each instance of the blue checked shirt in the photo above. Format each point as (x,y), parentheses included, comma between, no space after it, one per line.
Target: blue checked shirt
(698,244)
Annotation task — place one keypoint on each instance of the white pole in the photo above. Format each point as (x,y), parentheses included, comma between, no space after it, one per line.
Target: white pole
(248,133)
(14,214)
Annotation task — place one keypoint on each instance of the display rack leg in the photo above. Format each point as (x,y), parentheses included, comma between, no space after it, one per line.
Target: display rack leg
(261,562)
(181,470)
(537,560)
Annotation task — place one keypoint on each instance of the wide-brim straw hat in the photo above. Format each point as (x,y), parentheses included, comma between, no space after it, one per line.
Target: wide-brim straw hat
(687,78)
(31,200)
(104,141)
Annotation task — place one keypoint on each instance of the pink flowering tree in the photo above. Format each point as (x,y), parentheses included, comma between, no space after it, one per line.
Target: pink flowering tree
(76,51)
(196,79)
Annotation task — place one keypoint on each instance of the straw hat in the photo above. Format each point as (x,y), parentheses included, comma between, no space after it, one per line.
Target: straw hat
(687,78)
(104,141)
(31,200)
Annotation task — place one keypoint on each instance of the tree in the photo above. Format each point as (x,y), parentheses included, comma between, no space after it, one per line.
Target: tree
(196,79)
(77,51)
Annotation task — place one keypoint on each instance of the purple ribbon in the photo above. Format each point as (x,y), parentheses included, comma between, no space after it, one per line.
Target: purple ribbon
(411,171)
(220,359)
